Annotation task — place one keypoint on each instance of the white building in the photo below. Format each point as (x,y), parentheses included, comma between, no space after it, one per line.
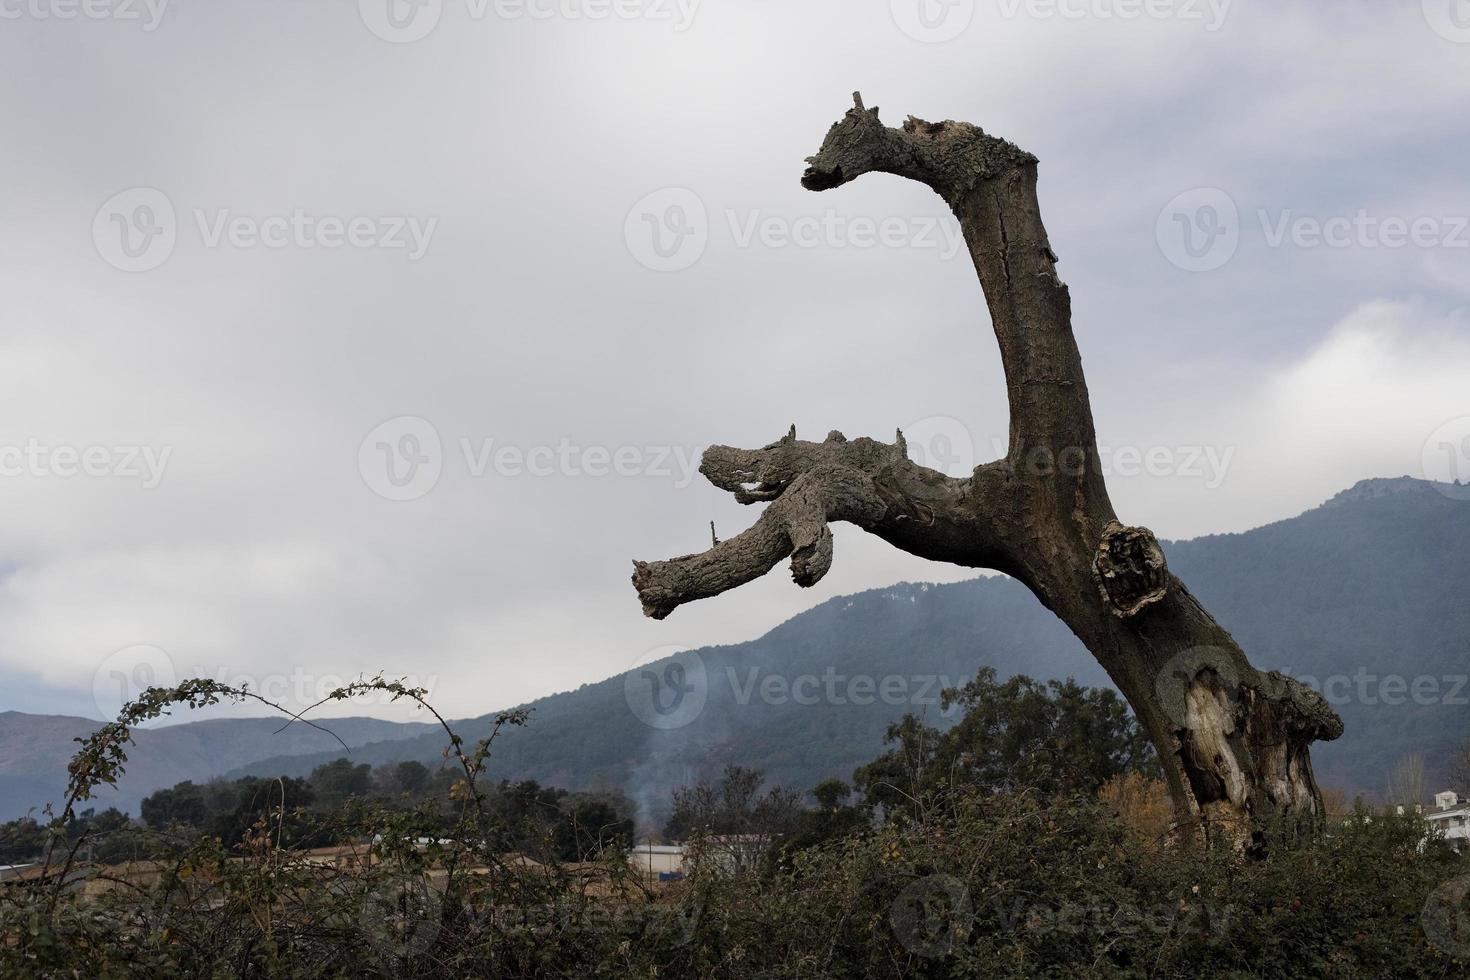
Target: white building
(658,862)
(1452,816)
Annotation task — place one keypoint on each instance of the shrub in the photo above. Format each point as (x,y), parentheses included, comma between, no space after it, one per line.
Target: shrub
(966,885)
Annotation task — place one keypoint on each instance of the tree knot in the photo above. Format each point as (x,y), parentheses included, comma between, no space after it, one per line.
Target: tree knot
(1130,569)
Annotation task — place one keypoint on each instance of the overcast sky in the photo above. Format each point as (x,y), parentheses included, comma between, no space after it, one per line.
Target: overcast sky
(340,337)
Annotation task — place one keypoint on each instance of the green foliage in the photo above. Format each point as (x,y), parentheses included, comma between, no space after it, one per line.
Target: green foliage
(428,893)
(733,805)
(337,781)
(587,828)
(410,778)
(1054,737)
(1005,885)
(735,823)
(183,805)
(1015,885)
(242,805)
(831,817)
(967,881)
(21,840)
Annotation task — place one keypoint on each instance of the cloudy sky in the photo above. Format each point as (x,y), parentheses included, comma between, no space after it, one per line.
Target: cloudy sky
(341,337)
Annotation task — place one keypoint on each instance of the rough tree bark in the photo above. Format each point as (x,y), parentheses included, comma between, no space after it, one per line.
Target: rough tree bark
(1233,741)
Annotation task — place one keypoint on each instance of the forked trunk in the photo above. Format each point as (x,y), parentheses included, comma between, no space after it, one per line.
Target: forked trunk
(1233,741)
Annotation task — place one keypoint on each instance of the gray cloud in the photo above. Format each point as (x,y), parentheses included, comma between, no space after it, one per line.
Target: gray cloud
(529,321)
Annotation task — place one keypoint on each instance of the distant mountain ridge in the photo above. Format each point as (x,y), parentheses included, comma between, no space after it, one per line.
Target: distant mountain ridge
(1362,596)
(1381,487)
(35,749)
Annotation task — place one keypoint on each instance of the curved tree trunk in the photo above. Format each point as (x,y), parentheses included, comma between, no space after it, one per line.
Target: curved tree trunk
(1233,741)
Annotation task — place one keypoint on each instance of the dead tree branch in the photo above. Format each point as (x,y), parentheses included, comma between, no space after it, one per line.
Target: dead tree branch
(1233,740)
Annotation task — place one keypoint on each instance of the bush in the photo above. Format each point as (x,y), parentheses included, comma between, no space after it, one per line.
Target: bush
(966,885)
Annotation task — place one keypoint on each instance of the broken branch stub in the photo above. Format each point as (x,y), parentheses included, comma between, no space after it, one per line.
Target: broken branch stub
(807,485)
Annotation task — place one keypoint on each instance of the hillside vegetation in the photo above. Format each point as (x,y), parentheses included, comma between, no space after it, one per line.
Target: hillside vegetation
(1364,597)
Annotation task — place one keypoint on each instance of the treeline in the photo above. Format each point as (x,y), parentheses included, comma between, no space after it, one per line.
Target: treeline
(317,811)
(1030,839)
(1053,738)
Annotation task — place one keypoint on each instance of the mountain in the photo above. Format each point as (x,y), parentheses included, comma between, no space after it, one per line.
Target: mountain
(34,750)
(883,653)
(1362,597)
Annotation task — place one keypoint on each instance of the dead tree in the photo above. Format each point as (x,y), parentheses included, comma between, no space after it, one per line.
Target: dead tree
(1233,741)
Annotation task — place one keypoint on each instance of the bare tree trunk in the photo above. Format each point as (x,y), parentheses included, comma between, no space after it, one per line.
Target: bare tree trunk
(1459,769)
(1233,740)
(1406,782)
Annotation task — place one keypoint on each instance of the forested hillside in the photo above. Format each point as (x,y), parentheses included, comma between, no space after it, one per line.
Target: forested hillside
(1364,595)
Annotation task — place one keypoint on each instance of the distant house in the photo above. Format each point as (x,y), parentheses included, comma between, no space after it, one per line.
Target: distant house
(1452,816)
(658,862)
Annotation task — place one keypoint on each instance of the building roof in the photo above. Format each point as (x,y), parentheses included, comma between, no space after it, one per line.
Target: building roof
(1449,811)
